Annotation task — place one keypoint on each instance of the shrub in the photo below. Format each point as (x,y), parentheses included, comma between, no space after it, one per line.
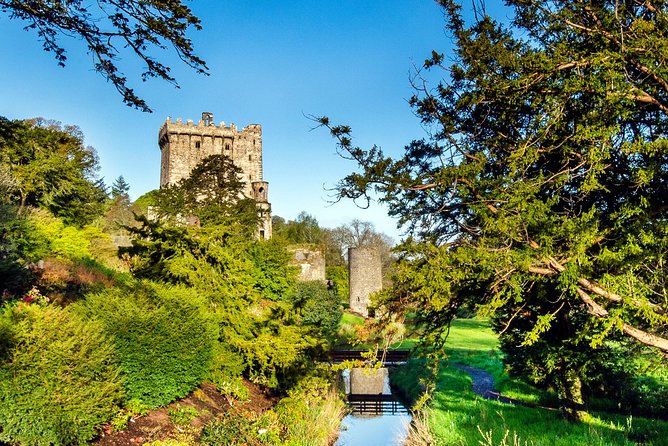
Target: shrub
(318,307)
(311,413)
(242,428)
(58,381)
(164,338)
(226,369)
(182,415)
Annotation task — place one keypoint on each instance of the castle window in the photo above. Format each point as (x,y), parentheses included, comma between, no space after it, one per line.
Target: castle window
(261,233)
(227,147)
(250,158)
(197,144)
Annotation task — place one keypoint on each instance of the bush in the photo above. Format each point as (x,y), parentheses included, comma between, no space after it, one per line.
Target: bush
(164,338)
(318,307)
(311,413)
(182,415)
(58,381)
(242,428)
(226,369)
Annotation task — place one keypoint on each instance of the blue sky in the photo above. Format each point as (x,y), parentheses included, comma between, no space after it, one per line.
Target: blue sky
(271,63)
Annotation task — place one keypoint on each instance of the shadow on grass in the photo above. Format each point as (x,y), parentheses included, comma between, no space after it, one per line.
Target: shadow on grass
(460,417)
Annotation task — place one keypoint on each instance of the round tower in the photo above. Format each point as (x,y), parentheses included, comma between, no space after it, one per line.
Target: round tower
(365,277)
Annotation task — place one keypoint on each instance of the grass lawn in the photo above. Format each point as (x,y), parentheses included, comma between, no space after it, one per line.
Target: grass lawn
(459,417)
(351,319)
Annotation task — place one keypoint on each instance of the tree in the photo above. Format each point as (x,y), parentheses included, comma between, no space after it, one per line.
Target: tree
(540,195)
(120,211)
(212,193)
(139,27)
(53,169)
(120,188)
(303,229)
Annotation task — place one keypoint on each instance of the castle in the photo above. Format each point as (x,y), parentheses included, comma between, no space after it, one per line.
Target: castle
(183,146)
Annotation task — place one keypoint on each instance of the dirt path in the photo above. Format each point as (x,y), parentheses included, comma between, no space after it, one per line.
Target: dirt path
(483,385)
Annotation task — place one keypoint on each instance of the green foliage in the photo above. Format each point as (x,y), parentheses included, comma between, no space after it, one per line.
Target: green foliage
(238,428)
(304,229)
(182,415)
(132,408)
(150,198)
(212,259)
(274,276)
(227,365)
(311,413)
(233,388)
(277,353)
(317,307)
(14,277)
(120,188)
(211,195)
(338,274)
(238,276)
(308,416)
(164,338)
(459,417)
(50,236)
(53,169)
(456,416)
(539,195)
(58,380)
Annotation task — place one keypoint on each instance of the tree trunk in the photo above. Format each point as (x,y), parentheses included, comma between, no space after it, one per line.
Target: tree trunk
(570,394)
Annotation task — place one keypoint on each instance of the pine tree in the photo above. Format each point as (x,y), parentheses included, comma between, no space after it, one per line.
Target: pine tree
(540,196)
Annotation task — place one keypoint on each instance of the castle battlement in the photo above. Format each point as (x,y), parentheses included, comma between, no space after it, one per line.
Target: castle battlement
(207,128)
(183,146)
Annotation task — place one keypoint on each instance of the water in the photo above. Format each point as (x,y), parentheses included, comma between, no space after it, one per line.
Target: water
(383,429)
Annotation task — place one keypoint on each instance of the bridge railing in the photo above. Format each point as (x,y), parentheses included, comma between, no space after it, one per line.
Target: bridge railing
(387,357)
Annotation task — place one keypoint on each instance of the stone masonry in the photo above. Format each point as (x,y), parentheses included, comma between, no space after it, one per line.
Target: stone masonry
(310,261)
(365,276)
(183,146)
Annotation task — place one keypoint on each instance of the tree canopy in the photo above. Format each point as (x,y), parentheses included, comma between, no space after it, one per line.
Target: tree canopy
(52,168)
(110,29)
(212,193)
(540,195)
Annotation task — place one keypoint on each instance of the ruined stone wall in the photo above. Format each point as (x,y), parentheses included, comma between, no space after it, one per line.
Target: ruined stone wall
(310,261)
(183,146)
(365,276)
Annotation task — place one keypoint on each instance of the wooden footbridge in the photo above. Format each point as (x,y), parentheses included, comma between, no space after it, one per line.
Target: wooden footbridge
(387,357)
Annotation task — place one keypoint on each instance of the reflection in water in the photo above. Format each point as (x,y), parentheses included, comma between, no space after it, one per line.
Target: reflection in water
(384,430)
(388,427)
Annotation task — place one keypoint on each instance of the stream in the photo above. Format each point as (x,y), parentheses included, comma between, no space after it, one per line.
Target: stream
(377,418)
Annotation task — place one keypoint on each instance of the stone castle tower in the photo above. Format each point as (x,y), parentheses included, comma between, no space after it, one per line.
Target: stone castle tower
(183,146)
(365,277)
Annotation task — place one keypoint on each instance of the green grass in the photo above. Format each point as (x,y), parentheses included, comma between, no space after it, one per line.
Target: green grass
(351,319)
(472,342)
(474,335)
(459,417)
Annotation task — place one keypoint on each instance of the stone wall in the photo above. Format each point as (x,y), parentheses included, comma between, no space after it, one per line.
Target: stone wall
(183,146)
(365,276)
(310,261)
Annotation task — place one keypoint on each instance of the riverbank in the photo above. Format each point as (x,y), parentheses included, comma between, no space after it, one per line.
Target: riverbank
(457,415)
(308,416)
